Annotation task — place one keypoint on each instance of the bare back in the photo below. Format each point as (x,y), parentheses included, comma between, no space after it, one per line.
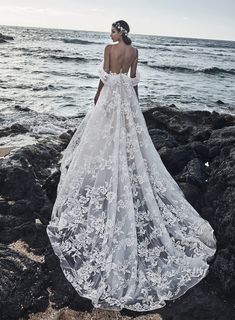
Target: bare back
(121,59)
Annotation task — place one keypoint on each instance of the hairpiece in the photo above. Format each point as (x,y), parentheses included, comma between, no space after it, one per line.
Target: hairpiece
(121,28)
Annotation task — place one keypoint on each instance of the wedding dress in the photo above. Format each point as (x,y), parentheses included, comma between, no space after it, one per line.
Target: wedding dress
(125,235)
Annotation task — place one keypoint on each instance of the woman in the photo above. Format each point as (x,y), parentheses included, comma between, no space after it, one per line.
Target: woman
(122,228)
(121,56)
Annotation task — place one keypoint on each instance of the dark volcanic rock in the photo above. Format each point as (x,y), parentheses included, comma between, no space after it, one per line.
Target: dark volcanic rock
(219,102)
(62,292)
(23,285)
(15,129)
(24,191)
(198,149)
(3,38)
(22,108)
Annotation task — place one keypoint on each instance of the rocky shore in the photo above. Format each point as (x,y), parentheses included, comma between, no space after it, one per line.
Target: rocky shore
(197,148)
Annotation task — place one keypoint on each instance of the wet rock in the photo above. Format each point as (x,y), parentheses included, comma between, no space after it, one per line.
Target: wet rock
(62,292)
(3,38)
(161,138)
(175,159)
(24,194)
(14,129)
(23,285)
(22,108)
(219,102)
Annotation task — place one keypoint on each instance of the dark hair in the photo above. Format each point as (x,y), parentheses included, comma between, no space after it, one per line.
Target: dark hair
(123,24)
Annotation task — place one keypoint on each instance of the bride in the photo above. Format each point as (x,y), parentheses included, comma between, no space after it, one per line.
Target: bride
(124,233)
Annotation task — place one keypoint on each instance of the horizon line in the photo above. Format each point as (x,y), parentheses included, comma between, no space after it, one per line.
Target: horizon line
(142,34)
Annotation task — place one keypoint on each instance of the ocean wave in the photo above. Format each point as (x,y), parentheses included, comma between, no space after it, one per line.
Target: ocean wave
(88,75)
(140,46)
(66,58)
(160,48)
(80,41)
(215,70)
(203,44)
(37,50)
(211,70)
(50,87)
(43,88)
(171,68)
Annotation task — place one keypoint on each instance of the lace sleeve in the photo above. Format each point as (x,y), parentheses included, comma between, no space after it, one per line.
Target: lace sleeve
(136,79)
(104,76)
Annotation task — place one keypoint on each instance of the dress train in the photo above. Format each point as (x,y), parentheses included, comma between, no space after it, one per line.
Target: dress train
(125,235)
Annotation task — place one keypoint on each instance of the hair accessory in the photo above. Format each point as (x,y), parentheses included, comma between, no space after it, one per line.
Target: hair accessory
(121,28)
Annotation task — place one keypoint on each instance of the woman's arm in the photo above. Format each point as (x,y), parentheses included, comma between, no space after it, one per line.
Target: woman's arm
(136,91)
(106,68)
(100,86)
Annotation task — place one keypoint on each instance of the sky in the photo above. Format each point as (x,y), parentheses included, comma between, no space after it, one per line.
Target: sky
(210,19)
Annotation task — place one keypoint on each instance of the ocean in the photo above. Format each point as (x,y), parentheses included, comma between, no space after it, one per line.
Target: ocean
(49,77)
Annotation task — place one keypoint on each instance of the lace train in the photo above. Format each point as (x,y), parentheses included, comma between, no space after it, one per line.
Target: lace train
(122,228)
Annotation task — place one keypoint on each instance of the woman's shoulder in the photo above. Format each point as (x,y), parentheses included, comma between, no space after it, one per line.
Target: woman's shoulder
(134,49)
(108,46)
(117,45)
(135,52)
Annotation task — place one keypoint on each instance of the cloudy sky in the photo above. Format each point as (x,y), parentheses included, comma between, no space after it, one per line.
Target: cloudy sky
(211,19)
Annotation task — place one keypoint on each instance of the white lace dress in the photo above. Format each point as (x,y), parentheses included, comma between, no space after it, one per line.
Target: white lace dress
(125,235)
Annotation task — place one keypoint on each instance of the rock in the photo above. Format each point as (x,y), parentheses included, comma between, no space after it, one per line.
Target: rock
(62,292)
(221,120)
(175,159)
(201,302)
(198,149)
(23,285)
(172,106)
(219,102)
(162,138)
(3,38)
(192,180)
(24,194)
(50,185)
(66,135)
(22,108)
(201,150)
(15,129)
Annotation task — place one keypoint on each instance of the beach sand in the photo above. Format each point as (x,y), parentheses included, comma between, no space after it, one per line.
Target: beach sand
(96,314)
(5,151)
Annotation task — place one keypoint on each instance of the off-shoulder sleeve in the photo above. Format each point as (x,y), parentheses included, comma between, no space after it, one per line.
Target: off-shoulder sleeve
(135,80)
(103,75)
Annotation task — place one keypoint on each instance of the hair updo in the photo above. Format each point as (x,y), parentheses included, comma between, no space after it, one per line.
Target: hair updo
(122,25)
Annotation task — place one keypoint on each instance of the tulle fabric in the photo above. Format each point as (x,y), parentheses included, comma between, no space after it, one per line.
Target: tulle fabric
(125,235)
